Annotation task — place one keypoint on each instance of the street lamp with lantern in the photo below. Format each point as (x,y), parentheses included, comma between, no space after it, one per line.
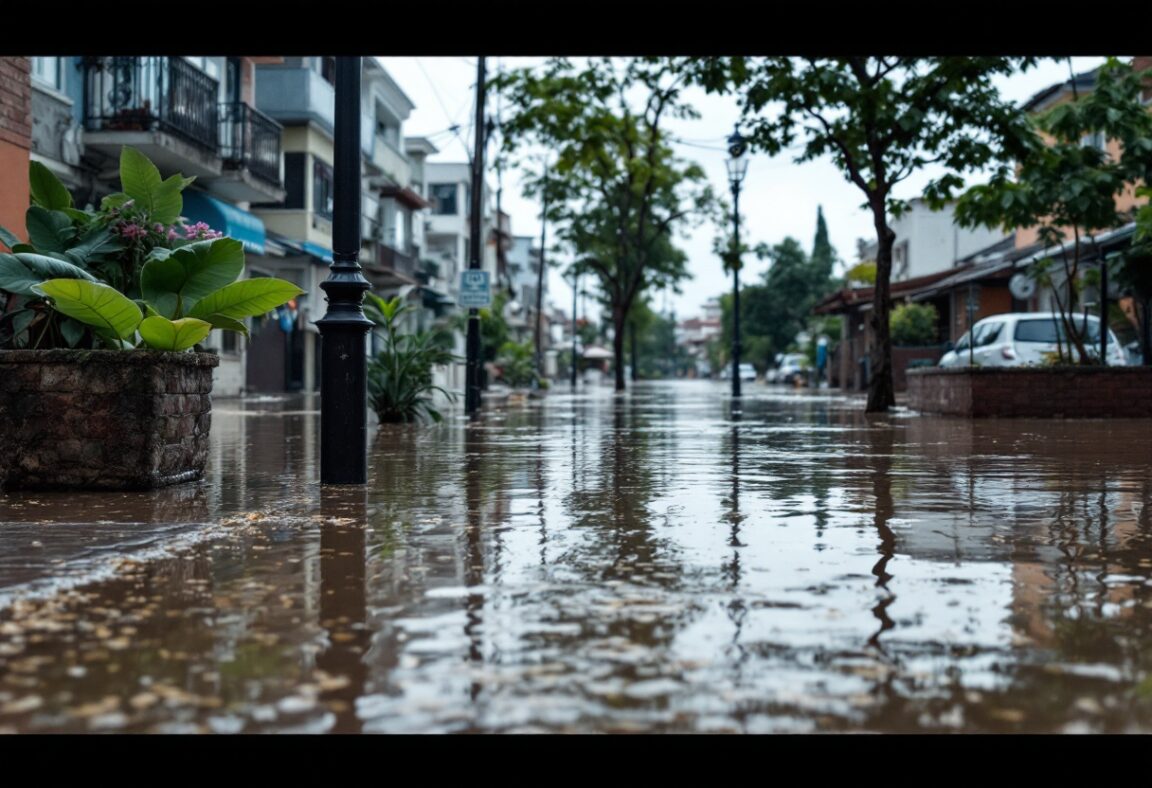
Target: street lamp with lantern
(737,164)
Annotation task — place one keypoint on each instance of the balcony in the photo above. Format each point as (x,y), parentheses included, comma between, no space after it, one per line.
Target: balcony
(391,162)
(294,95)
(163,106)
(392,267)
(250,149)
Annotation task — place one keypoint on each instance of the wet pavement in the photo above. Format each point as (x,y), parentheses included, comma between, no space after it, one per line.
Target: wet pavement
(657,562)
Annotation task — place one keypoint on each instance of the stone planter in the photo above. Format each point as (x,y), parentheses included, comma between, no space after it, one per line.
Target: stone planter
(103,419)
(1033,392)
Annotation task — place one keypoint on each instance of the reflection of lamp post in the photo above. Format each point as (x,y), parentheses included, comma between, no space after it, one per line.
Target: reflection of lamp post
(575,292)
(737,164)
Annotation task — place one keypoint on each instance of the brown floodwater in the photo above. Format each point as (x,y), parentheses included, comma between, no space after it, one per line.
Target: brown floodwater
(656,562)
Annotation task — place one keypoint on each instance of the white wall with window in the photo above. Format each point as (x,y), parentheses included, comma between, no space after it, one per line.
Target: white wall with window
(48,72)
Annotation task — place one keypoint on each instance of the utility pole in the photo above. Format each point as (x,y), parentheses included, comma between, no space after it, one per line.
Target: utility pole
(472,342)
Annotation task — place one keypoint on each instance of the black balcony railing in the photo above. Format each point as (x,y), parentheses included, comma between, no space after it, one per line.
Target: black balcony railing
(143,93)
(250,140)
(396,260)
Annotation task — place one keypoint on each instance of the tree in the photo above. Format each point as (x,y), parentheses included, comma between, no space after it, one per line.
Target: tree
(1066,183)
(776,309)
(880,119)
(616,193)
(823,257)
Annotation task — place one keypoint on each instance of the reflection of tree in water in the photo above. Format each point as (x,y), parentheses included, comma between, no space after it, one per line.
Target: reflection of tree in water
(612,507)
(881,443)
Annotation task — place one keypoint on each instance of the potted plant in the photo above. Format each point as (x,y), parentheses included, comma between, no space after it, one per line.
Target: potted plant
(100,386)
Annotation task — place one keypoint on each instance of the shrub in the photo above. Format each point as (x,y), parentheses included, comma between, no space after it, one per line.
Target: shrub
(914,324)
(400,384)
(517,367)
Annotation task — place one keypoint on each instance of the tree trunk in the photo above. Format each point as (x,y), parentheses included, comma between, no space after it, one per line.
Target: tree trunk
(632,351)
(1145,330)
(881,391)
(619,321)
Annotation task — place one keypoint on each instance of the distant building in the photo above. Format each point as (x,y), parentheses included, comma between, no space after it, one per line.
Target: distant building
(928,241)
(694,335)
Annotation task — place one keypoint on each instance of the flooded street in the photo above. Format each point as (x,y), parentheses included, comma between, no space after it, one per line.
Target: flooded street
(656,562)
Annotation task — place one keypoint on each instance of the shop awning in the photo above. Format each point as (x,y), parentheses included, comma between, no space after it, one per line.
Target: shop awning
(225,218)
(317,251)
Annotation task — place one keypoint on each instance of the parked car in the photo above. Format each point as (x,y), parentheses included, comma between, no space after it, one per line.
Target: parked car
(792,367)
(1019,338)
(747,372)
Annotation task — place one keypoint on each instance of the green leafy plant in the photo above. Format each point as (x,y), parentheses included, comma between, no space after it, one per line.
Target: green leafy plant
(400,386)
(517,368)
(914,324)
(132,274)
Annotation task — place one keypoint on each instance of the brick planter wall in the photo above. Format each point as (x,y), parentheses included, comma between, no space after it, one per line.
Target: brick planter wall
(1033,392)
(903,355)
(103,419)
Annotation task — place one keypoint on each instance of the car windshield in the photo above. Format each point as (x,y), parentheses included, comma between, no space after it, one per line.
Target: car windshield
(1050,330)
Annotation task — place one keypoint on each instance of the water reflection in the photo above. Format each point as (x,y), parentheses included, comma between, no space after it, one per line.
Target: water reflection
(655,562)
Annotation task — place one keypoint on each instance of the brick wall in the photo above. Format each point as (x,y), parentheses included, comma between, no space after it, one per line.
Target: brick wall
(903,356)
(1026,392)
(103,419)
(15,140)
(16,101)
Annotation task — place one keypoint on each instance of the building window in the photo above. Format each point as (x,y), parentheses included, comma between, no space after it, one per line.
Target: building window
(228,342)
(48,72)
(322,189)
(294,181)
(443,199)
(328,69)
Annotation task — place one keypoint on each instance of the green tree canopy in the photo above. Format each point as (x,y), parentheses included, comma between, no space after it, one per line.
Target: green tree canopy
(616,192)
(880,119)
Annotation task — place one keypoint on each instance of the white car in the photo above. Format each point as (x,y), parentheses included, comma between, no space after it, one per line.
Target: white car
(1018,338)
(792,367)
(747,372)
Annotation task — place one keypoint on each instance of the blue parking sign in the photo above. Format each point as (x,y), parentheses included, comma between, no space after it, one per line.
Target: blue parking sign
(475,290)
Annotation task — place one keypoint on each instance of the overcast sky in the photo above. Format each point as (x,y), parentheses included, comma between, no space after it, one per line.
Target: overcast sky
(778,198)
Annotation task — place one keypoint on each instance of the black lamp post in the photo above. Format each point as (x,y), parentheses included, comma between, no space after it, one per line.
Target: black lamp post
(737,164)
(343,387)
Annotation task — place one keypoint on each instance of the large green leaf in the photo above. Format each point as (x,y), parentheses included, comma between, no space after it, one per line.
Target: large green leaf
(174,284)
(19,273)
(72,331)
(226,323)
(96,244)
(47,190)
(164,334)
(48,230)
(21,320)
(160,283)
(141,181)
(246,298)
(99,305)
(9,238)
